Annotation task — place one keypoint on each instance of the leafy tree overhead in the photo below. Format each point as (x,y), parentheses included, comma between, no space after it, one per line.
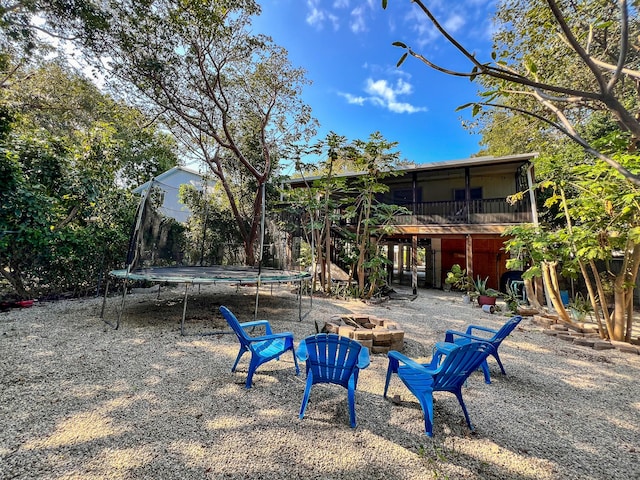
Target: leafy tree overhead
(597,221)
(65,155)
(332,198)
(28,27)
(216,84)
(557,61)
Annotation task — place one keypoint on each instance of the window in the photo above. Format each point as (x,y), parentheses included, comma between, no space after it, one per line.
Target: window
(459,194)
(403,196)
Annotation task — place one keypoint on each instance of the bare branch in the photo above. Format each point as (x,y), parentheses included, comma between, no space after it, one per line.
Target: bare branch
(624,45)
(548,94)
(626,71)
(446,34)
(509,76)
(438,67)
(4,82)
(575,45)
(631,177)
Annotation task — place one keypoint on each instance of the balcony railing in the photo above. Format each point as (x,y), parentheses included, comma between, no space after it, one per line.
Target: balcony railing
(486,211)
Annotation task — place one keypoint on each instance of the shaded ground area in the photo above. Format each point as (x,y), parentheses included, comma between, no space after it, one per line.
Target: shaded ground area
(81,400)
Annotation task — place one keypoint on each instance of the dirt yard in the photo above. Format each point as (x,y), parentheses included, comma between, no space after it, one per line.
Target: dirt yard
(80,400)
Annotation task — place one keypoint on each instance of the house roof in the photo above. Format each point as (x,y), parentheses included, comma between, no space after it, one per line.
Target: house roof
(168,174)
(447,164)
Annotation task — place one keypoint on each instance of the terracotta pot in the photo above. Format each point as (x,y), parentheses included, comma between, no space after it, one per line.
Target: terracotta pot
(486,300)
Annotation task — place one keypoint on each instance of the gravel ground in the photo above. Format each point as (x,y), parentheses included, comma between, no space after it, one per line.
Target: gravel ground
(79,399)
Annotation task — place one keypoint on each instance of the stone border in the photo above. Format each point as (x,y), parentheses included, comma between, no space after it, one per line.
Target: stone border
(582,334)
(379,335)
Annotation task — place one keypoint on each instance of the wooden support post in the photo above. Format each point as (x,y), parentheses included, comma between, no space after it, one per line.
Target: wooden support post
(414,264)
(469,255)
(391,257)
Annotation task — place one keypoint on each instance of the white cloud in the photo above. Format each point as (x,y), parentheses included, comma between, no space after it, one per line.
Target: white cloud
(422,26)
(358,23)
(353,99)
(454,23)
(464,20)
(315,17)
(385,95)
(335,21)
(318,17)
(319,13)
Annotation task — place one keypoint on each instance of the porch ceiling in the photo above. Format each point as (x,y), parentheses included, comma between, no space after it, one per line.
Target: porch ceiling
(448,230)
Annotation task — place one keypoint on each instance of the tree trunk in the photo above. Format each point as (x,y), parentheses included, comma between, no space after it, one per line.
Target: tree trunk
(15,279)
(539,287)
(327,250)
(623,293)
(602,299)
(320,262)
(593,297)
(619,314)
(532,296)
(551,280)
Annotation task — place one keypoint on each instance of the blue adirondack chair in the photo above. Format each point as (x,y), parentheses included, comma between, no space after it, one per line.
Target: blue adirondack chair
(263,348)
(446,372)
(331,358)
(460,338)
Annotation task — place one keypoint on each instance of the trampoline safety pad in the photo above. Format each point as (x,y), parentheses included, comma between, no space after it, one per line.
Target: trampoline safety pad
(238,275)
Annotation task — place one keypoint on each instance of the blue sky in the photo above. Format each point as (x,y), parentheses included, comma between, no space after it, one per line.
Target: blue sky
(346,48)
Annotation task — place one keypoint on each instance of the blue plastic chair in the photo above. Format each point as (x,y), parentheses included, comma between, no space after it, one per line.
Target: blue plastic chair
(331,358)
(447,371)
(263,348)
(459,338)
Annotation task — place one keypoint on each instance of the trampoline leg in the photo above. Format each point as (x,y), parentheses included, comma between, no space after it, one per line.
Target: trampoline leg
(124,294)
(184,308)
(104,301)
(255,311)
(300,301)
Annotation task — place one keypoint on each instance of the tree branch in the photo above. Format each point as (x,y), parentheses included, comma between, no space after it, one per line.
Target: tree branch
(624,45)
(631,177)
(575,45)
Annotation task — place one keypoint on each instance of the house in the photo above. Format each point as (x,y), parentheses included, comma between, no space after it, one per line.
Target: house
(169,182)
(458,211)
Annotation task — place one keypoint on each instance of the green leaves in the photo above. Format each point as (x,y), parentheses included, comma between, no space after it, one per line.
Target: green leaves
(476,108)
(474,73)
(63,163)
(530,65)
(404,55)
(462,107)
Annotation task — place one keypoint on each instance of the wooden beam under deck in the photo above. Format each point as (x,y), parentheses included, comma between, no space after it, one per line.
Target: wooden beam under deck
(448,230)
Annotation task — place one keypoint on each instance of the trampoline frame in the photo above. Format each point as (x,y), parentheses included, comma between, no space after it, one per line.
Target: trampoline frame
(235,275)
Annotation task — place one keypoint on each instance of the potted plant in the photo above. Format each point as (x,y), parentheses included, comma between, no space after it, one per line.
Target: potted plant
(457,277)
(512,297)
(486,295)
(580,308)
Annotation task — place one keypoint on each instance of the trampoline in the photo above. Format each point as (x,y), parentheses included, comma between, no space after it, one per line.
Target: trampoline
(151,242)
(239,275)
(235,275)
